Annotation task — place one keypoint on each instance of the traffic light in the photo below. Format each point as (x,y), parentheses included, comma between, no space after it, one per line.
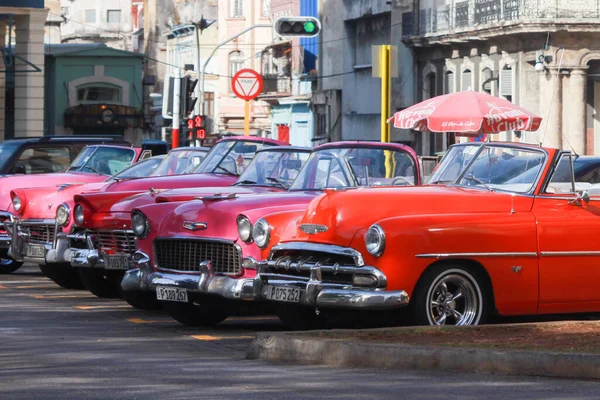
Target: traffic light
(187,91)
(196,127)
(297,26)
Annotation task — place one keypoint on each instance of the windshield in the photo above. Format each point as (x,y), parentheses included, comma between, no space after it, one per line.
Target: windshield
(230,157)
(491,166)
(103,160)
(180,162)
(140,169)
(7,149)
(274,168)
(356,166)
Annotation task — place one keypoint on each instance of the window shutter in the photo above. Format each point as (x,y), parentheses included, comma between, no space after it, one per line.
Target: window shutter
(449,83)
(467,82)
(506,82)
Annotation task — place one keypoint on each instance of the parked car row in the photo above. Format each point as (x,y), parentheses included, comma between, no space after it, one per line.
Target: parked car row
(344,229)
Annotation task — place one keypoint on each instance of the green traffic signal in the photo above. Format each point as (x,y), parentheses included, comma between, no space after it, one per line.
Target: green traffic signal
(309,27)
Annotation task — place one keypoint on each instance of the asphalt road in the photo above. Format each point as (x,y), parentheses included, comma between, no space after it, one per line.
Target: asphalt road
(64,344)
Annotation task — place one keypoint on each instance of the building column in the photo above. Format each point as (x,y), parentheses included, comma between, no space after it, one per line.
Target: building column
(29,86)
(2,80)
(551,109)
(575,127)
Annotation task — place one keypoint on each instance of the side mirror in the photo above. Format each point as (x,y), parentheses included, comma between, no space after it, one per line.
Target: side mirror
(582,196)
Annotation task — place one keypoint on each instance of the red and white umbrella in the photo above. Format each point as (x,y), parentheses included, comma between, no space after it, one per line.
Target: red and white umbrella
(466,112)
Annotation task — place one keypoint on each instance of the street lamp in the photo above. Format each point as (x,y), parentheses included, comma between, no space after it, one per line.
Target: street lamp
(199,27)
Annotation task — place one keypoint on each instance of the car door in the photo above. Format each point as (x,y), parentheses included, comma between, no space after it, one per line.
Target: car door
(568,244)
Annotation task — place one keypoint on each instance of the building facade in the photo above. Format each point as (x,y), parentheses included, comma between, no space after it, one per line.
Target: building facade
(22,76)
(540,54)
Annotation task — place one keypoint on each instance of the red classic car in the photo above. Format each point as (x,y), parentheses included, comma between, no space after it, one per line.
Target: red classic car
(199,255)
(41,232)
(103,240)
(492,232)
(93,164)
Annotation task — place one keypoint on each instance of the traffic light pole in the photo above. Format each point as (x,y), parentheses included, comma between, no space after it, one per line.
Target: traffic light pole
(203,72)
(176,110)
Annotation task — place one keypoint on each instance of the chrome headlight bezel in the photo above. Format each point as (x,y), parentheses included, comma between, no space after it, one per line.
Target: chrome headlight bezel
(17,203)
(375,240)
(63,214)
(244,228)
(139,224)
(79,215)
(261,232)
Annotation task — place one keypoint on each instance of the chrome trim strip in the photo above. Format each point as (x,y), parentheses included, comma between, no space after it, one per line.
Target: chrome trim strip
(569,253)
(454,255)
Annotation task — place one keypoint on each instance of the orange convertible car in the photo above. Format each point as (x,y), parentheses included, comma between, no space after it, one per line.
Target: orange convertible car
(501,227)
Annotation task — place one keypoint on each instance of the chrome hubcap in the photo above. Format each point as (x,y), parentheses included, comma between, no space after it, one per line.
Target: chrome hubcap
(453,301)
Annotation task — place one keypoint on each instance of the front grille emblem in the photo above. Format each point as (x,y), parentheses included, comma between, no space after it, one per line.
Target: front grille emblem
(195,226)
(311,229)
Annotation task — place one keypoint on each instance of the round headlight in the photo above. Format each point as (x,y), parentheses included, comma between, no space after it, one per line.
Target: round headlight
(244,228)
(17,203)
(375,240)
(62,214)
(139,224)
(79,214)
(261,233)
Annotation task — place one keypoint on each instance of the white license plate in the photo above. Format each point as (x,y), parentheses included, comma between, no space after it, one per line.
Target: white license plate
(36,251)
(287,294)
(116,262)
(171,294)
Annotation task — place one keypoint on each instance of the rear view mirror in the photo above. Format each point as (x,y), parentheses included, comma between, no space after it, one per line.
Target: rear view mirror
(292,164)
(246,148)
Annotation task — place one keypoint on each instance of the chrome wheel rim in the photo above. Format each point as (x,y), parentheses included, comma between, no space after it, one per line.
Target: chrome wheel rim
(453,300)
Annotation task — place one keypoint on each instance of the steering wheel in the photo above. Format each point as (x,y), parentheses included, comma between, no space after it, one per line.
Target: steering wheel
(400,181)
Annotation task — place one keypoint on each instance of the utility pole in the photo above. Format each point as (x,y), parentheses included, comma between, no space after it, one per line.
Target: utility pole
(176,109)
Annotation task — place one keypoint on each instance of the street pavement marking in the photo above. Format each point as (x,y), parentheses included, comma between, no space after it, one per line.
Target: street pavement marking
(211,338)
(33,287)
(28,281)
(99,307)
(3,287)
(145,321)
(58,296)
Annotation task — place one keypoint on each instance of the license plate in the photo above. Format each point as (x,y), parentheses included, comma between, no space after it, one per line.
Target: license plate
(287,294)
(36,251)
(116,262)
(171,294)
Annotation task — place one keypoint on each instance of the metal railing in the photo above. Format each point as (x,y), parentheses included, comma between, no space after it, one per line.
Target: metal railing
(273,83)
(464,14)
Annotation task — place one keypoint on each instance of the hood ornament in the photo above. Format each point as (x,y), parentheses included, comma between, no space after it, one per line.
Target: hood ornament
(311,229)
(195,226)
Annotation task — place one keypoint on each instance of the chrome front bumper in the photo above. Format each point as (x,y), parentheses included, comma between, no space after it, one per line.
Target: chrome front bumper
(315,292)
(92,258)
(6,239)
(145,278)
(56,252)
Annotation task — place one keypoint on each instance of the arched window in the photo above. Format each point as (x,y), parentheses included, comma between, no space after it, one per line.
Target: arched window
(467,80)
(449,82)
(429,89)
(98,93)
(236,62)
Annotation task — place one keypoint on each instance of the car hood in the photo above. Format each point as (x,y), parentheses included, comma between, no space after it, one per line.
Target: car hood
(347,212)
(42,202)
(13,182)
(219,215)
(173,182)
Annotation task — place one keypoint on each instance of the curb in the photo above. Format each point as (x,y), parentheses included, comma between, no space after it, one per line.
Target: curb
(340,353)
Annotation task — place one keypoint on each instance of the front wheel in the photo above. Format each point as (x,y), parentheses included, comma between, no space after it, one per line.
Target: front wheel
(195,315)
(8,265)
(452,295)
(100,283)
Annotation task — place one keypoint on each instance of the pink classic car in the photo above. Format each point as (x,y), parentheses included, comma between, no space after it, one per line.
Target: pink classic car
(38,238)
(93,164)
(103,277)
(103,238)
(199,257)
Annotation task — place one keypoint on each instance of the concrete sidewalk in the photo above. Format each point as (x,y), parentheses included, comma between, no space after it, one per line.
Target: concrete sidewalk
(298,349)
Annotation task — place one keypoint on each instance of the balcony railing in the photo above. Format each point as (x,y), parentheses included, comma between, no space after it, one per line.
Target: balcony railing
(464,14)
(276,85)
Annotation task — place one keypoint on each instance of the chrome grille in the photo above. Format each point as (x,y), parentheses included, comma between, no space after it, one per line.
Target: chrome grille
(39,233)
(114,241)
(186,255)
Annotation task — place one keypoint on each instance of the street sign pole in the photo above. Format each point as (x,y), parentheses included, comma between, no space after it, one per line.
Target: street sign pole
(176,110)
(247,118)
